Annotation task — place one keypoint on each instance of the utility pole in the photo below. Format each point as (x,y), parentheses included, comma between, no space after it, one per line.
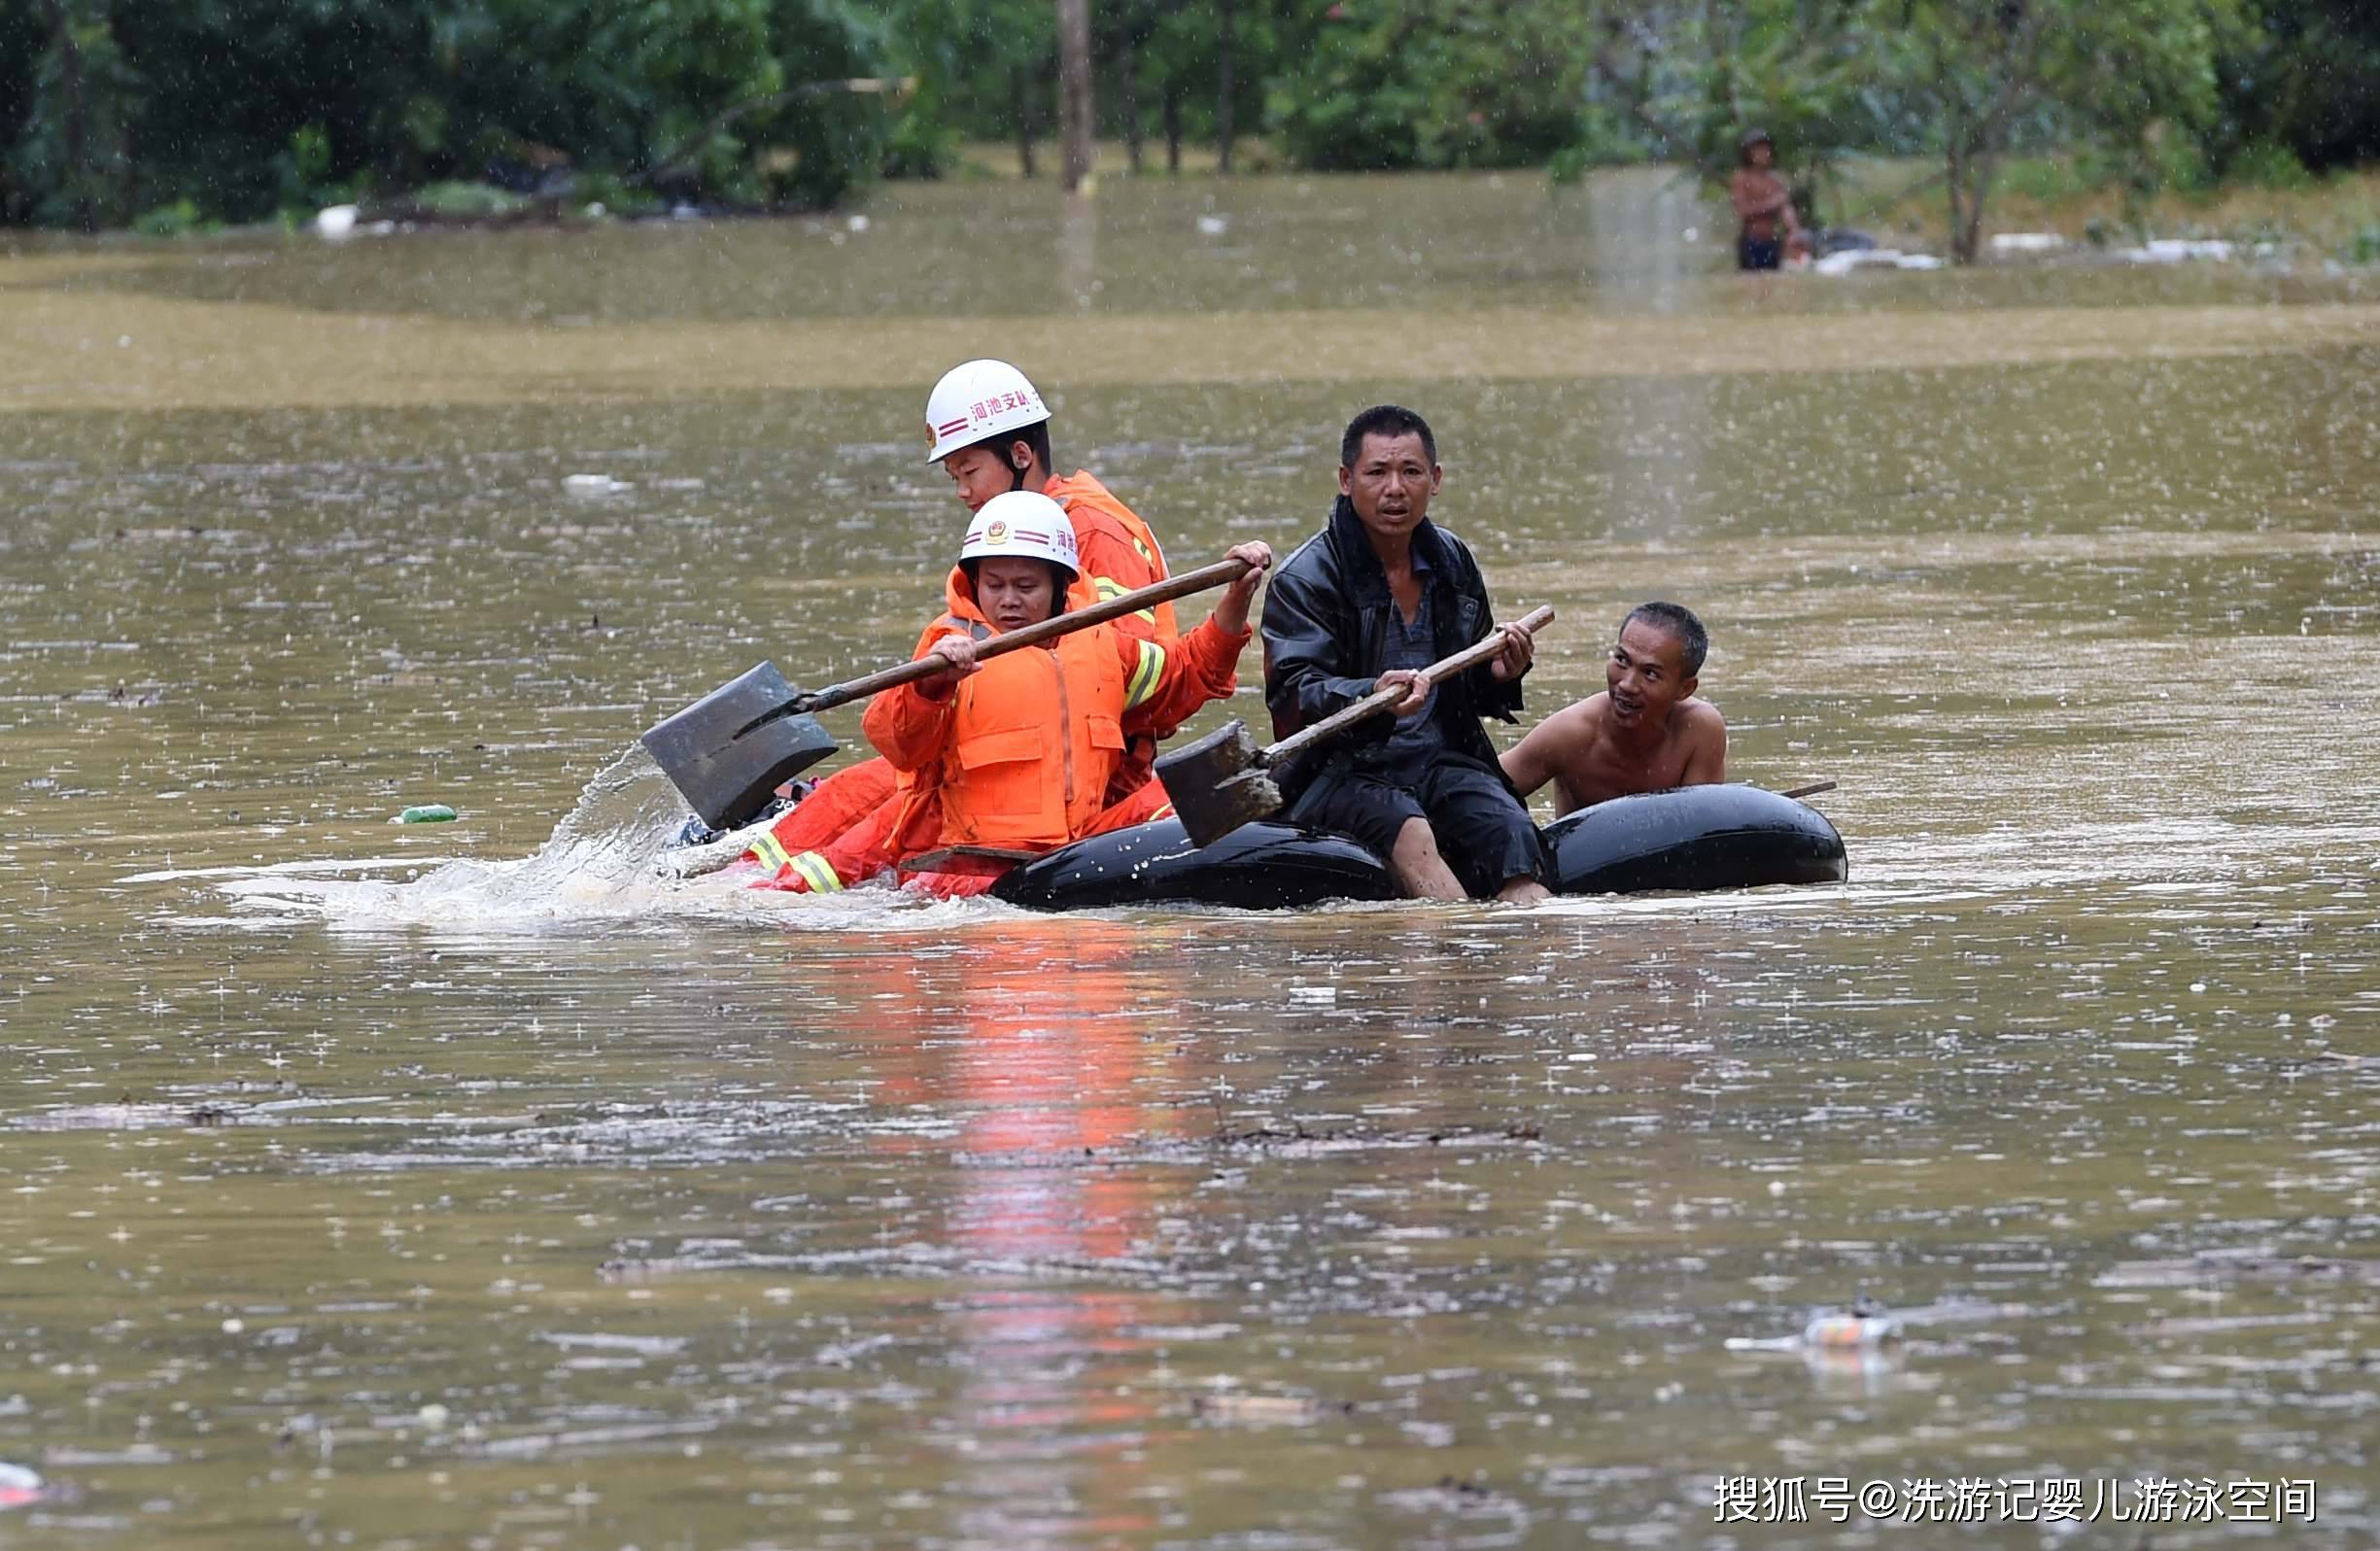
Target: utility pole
(1074,89)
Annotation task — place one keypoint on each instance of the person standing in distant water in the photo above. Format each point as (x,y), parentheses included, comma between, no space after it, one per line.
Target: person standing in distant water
(1763,205)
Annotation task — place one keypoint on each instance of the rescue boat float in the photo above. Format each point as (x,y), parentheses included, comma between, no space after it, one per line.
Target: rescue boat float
(1694,838)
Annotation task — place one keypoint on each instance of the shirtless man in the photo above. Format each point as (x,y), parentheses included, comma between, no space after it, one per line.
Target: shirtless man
(1644,733)
(1763,203)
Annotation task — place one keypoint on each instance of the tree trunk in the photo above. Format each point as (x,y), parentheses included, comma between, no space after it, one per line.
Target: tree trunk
(1981,167)
(1127,81)
(1020,103)
(1173,125)
(1074,89)
(129,197)
(1223,49)
(70,90)
(1949,184)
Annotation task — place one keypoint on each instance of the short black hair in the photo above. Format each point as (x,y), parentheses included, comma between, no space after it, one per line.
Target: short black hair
(1679,621)
(1035,436)
(1386,420)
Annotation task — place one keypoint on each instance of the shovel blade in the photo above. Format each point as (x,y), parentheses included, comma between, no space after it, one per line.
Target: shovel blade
(1218,783)
(728,778)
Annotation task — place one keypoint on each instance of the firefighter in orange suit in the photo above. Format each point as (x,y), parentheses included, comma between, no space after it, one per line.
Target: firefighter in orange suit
(1018,752)
(990,434)
(988,430)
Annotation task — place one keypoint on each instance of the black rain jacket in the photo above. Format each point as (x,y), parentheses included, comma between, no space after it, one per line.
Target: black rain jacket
(1326,612)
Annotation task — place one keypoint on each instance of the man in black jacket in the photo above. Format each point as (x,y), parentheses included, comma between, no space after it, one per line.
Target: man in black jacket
(1378,595)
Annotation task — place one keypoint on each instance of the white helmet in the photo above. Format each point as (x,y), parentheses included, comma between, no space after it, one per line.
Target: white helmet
(978,399)
(1024,523)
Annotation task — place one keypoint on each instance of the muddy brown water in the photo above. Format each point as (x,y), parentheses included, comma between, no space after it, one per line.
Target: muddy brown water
(353,1198)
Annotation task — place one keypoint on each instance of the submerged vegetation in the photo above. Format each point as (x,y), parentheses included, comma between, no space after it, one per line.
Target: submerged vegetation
(166,115)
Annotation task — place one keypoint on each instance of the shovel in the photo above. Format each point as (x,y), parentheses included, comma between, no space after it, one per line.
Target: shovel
(729,750)
(1224,781)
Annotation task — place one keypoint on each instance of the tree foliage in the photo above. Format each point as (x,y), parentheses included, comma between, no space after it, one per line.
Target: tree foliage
(238,108)
(2304,82)
(1421,84)
(1686,81)
(1969,75)
(247,106)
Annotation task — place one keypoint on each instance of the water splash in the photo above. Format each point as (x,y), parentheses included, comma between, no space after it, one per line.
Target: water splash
(604,862)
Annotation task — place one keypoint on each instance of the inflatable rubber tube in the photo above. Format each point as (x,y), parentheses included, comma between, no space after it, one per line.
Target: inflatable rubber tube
(1256,867)
(1692,839)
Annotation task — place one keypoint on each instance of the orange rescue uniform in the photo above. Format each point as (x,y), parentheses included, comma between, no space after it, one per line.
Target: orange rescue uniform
(1022,753)
(1119,555)
(849,828)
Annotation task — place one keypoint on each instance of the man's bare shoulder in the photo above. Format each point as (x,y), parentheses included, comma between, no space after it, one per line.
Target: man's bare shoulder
(1697,715)
(1589,713)
(1573,728)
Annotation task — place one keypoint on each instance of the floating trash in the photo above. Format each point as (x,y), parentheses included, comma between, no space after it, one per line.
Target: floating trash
(2177,250)
(1853,258)
(425,813)
(593,485)
(1865,1326)
(20,1487)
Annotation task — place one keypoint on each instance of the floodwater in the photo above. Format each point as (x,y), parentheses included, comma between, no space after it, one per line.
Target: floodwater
(354,1198)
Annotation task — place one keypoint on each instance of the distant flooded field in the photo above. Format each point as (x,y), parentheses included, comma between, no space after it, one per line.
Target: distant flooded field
(358,1198)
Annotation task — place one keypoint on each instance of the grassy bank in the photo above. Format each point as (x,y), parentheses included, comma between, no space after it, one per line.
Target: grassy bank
(2335,217)
(1112,158)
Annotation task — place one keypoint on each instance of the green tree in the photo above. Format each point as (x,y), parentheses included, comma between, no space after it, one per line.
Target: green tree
(1431,83)
(241,107)
(1686,81)
(2305,80)
(72,164)
(21,38)
(1974,74)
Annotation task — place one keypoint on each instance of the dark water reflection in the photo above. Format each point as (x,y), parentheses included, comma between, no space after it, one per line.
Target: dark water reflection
(569,1207)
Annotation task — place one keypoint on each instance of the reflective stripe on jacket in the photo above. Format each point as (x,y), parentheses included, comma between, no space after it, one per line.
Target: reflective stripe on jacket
(1119,554)
(1022,752)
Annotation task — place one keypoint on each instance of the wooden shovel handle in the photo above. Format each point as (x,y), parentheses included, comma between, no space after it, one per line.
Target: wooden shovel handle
(1380,699)
(1220,573)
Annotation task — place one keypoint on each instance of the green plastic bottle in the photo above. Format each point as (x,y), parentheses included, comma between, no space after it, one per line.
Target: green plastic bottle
(426,813)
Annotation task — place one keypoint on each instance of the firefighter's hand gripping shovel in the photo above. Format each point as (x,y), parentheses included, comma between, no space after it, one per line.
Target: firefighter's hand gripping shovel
(729,750)
(1224,781)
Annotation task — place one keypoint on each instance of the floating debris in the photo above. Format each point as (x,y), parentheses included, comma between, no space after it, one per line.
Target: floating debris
(20,1487)
(2177,250)
(1266,1410)
(1850,259)
(1867,1326)
(425,813)
(2210,1265)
